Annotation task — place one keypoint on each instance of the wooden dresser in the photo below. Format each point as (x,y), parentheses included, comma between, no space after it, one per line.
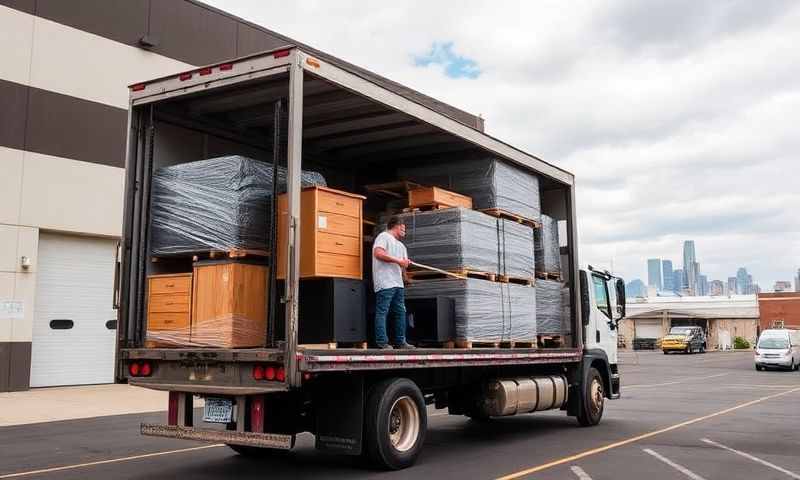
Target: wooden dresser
(330,234)
(169,309)
(229,304)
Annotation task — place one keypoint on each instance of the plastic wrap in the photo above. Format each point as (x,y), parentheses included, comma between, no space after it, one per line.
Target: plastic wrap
(491,183)
(217,204)
(548,251)
(566,311)
(551,318)
(459,239)
(225,331)
(484,311)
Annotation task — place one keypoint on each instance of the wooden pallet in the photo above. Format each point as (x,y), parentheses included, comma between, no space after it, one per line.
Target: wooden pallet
(430,275)
(518,280)
(334,345)
(548,276)
(550,341)
(427,208)
(500,213)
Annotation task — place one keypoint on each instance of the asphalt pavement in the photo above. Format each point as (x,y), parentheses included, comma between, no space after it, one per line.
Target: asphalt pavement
(709,416)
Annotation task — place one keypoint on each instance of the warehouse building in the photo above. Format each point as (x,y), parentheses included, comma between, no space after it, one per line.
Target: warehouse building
(64,72)
(779,310)
(722,318)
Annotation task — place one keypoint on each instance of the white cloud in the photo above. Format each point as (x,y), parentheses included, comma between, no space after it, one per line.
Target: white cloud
(679,119)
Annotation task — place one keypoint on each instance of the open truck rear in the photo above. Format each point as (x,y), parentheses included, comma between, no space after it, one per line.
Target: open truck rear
(292,108)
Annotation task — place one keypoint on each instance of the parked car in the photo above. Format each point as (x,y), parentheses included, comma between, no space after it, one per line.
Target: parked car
(778,348)
(684,339)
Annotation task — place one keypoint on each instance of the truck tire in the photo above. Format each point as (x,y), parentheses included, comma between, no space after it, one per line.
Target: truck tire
(395,423)
(593,401)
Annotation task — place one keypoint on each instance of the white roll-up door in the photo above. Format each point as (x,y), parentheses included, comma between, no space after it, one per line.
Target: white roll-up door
(648,328)
(73,331)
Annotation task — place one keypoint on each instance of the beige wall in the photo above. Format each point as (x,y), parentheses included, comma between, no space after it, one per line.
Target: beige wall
(16,283)
(746,328)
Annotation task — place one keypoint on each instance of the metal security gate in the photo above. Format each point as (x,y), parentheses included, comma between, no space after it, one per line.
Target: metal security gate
(74,325)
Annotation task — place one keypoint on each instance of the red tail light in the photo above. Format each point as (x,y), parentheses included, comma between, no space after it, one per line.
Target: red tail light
(258,372)
(185,76)
(281,54)
(204,71)
(138,87)
(226,66)
(269,373)
(257,413)
(146,370)
(280,375)
(134,369)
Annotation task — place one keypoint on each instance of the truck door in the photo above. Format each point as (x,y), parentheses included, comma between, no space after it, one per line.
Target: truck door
(601,329)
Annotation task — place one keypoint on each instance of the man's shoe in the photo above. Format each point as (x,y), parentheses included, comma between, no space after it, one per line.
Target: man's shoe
(405,346)
(385,347)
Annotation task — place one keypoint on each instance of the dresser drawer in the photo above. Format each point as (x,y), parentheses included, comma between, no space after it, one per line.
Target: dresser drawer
(169,303)
(334,203)
(171,284)
(167,321)
(330,243)
(338,224)
(336,265)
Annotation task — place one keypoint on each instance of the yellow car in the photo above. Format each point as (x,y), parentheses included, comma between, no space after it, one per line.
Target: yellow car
(684,339)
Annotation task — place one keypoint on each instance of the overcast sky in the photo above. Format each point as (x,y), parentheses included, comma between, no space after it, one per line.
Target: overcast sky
(680,118)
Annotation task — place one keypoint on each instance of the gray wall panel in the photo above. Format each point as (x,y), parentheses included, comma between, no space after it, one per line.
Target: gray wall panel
(19,376)
(28,6)
(122,20)
(192,33)
(251,40)
(5,365)
(14,99)
(70,127)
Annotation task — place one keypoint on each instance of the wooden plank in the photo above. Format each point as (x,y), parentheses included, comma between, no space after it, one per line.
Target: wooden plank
(435,196)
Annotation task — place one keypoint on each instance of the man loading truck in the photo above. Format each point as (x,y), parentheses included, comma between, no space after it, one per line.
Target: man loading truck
(389,264)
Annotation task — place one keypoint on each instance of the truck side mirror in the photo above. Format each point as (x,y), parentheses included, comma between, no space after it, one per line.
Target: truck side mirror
(620,287)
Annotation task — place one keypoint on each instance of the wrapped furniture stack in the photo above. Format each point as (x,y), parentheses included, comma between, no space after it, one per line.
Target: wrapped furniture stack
(492,184)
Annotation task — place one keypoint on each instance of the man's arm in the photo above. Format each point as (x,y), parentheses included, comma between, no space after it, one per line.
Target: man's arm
(381,254)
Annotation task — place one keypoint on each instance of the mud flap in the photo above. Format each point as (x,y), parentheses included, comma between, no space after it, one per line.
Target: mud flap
(339,411)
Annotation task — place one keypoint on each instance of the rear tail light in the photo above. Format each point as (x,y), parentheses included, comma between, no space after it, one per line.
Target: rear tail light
(140,369)
(205,71)
(226,66)
(280,54)
(138,87)
(185,76)
(269,373)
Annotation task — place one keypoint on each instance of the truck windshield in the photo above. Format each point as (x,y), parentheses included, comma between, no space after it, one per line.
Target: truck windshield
(773,342)
(680,331)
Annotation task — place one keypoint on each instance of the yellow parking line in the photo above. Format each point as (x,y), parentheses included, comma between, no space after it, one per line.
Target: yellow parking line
(627,441)
(103,462)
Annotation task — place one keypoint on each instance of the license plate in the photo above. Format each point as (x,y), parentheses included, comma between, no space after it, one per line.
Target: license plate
(218,410)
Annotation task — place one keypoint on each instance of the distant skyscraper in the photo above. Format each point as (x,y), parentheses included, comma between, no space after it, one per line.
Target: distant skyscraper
(716,288)
(751,287)
(797,281)
(635,288)
(677,280)
(654,273)
(690,267)
(732,289)
(666,273)
(741,281)
(702,285)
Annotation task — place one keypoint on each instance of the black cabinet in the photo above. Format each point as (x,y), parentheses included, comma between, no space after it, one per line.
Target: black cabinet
(331,310)
(432,318)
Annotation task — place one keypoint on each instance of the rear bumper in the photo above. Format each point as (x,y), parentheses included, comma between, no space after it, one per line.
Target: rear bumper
(263,440)
(675,347)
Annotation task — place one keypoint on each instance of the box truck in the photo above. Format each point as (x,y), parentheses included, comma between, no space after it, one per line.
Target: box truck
(300,111)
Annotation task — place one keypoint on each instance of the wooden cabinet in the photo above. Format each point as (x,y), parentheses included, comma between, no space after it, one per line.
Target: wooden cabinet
(169,309)
(330,234)
(229,304)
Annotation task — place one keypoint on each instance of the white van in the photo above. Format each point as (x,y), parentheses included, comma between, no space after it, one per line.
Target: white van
(778,348)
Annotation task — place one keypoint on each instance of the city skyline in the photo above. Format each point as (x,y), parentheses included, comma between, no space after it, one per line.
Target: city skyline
(692,279)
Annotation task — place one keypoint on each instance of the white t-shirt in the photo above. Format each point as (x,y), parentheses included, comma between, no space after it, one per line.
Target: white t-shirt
(384,274)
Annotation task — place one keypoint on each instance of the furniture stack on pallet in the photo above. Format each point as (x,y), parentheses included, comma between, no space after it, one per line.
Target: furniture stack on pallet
(211,221)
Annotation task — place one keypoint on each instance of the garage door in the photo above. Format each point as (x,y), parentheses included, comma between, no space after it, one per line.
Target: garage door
(73,335)
(648,329)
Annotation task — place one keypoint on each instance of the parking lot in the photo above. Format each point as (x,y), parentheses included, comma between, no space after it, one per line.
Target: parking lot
(709,416)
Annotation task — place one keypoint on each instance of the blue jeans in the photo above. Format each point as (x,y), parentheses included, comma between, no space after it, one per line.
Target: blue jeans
(390,302)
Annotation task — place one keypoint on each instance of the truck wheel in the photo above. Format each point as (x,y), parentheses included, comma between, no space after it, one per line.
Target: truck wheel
(591,410)
(395,423)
